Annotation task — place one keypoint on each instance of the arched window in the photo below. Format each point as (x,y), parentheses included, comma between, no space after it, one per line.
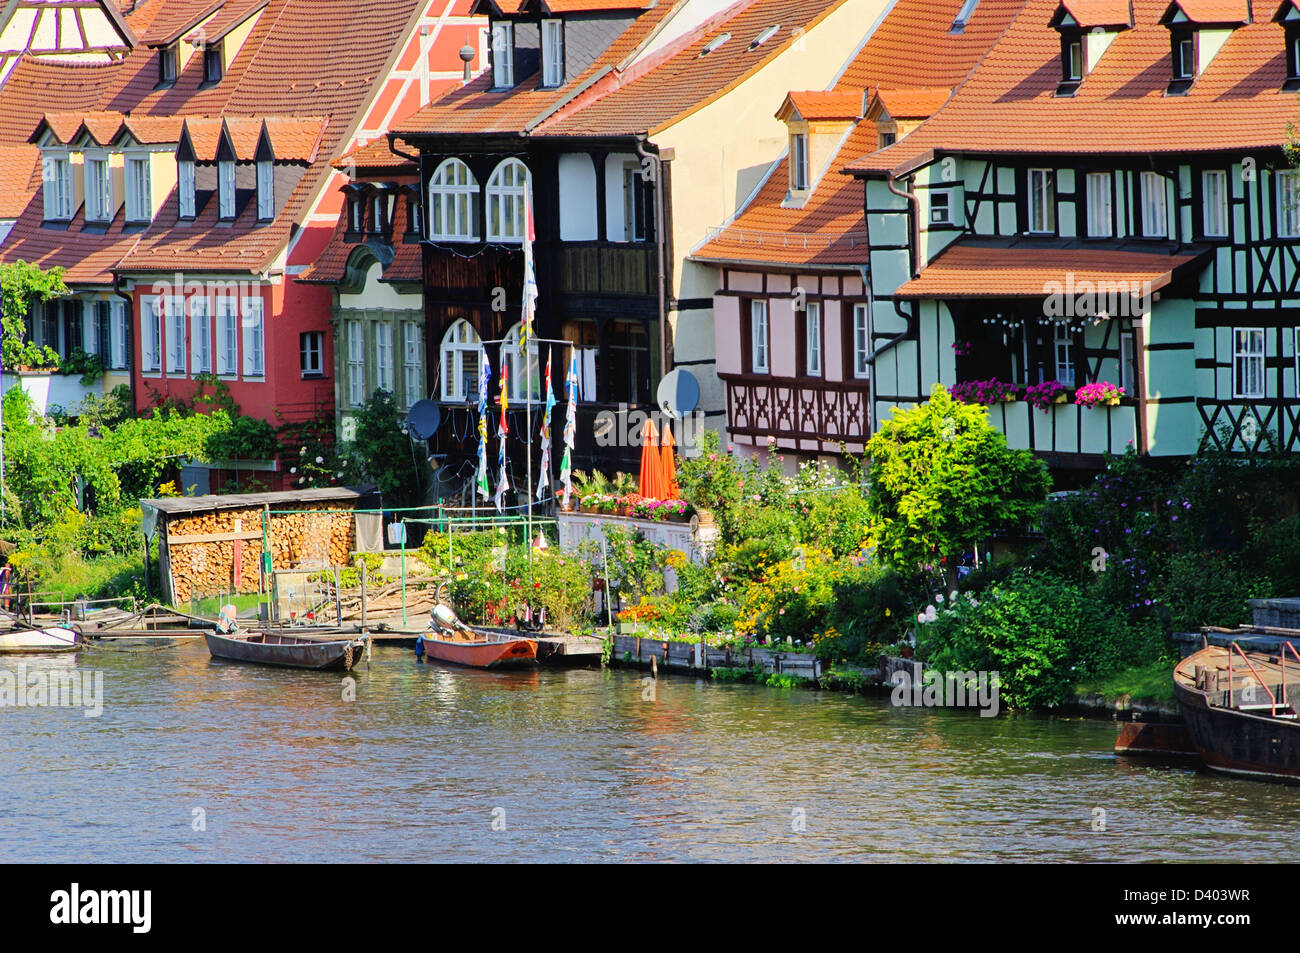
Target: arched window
(462,362)
(453,203)
(523,376)
(505,201)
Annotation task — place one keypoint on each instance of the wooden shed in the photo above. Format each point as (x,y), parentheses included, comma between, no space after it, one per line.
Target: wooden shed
(213,544)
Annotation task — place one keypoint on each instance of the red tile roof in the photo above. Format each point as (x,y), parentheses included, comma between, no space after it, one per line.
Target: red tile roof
(912,46)
(587,6)
(912,103)
(665,91)
(19,175)
(978,269)
(372,155)
(179,17)
(298,139)
(817,105)
(1206,12)
(331,264)
(1010,104)
(1094,13)
(234,13)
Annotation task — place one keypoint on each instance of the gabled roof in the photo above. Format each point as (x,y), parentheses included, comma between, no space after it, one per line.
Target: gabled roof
(1091,14)
(1208,12)
(912,46)
(816,105)
(331,265)
(372,155)
(919,103)
(233,14)
(179,18)
(1010,106)
(103,128)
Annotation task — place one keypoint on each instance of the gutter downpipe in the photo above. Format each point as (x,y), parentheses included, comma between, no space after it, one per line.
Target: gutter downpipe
(661,282)
(130,325)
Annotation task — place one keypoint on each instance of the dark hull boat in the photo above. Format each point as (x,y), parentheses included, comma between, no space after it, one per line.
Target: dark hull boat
(1239,709)
(286,651)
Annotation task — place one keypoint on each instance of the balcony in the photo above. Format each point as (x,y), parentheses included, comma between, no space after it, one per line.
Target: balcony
(813,415)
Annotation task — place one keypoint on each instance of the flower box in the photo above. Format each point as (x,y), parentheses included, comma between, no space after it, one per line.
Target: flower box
(1098,394)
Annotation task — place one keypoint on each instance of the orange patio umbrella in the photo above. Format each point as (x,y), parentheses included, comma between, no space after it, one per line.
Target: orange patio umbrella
(652,481)
(669,464)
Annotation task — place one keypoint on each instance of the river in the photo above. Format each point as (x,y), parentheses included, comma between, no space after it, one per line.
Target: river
(193,760)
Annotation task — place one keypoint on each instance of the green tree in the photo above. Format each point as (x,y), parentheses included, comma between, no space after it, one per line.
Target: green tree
(942,478)
(382,452)
(21,284)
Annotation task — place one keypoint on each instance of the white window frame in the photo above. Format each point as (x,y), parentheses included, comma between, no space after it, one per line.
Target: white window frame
(139,188)
(1099,197)
(185,186)
(119,335)
(512,357)
(265,190)
(1185,58)
(253,323)
(861,341)
(151,335)
(56,175)
(760,337)
(1153,202)
(798,162)
(812,343)
(177,344)
(356,361)
(226,312)
(944,209)
(1288,204)
(311,354)
(453,203)
(1128,362)
(99,188)
(1248,363)
(1063,353)
(1214,203)
(552,53)
(200,334)
(1042,201)
(384,371)
(226,188)
(457,386)
(1074,60)
(412,361)
(90,326)
(505,201)
(503,54)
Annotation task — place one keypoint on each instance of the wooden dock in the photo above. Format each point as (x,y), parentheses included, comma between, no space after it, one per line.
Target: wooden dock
(645,651)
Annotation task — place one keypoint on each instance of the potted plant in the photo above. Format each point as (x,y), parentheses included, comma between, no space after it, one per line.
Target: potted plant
(987,392)
(1098,394)
(1045,394)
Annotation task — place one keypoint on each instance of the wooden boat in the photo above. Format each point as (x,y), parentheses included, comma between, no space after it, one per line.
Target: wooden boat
(478,649)
(286,651)
(33,641)
(1240,711)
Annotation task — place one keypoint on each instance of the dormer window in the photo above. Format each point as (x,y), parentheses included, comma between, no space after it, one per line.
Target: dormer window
(552,53)
(226,189)
(265,190)
(169,64)
(1072,59)
(99,189)
(798,162)
(503,55)
(1086,32)
(139,191)
(56,175)
(1185,56)
(356,214)
(185,188)
(1288,15)
(214,62)
(1196,34)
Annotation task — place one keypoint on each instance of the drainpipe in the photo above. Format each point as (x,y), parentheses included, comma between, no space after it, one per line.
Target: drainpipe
(914,225)
(662,278)
(129,343)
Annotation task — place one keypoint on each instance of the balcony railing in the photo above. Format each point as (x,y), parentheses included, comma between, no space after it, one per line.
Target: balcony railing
(825,413)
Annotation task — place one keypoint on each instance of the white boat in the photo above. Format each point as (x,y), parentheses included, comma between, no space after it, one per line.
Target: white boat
(53,639)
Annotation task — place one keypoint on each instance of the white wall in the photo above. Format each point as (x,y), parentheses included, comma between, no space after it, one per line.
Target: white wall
(578,198)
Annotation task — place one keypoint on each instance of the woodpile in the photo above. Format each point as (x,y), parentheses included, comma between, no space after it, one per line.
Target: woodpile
(202,548)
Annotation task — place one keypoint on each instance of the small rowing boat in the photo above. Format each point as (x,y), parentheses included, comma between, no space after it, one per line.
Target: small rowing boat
(286,651)
(35,641)
(450,640)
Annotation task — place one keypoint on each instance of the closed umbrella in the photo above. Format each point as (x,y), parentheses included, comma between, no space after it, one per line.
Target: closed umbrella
(668,463)
(652,473)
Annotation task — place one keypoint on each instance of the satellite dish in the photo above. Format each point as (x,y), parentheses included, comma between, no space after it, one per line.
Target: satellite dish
(679,393)
(423,419)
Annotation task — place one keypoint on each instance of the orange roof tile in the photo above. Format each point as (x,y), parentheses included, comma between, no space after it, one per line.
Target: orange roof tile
(818,105)
(911,46)
(19,178)
(1205,12)
(981,269)
(372,155)
(179,18)
(1010,106)
(234,13)
(331,264)
(295,138)
(1096,13)
(912,103)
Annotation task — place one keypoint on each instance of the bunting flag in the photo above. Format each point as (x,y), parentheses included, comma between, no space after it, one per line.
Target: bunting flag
(570,425)
(544,482)
(530,279)
(484,383)
(503,428)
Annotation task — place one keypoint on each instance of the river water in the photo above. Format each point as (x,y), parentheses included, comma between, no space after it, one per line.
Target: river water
(196,760)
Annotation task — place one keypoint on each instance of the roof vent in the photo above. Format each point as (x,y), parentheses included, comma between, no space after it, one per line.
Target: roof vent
(963,16)
(764,36)
(714,43)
